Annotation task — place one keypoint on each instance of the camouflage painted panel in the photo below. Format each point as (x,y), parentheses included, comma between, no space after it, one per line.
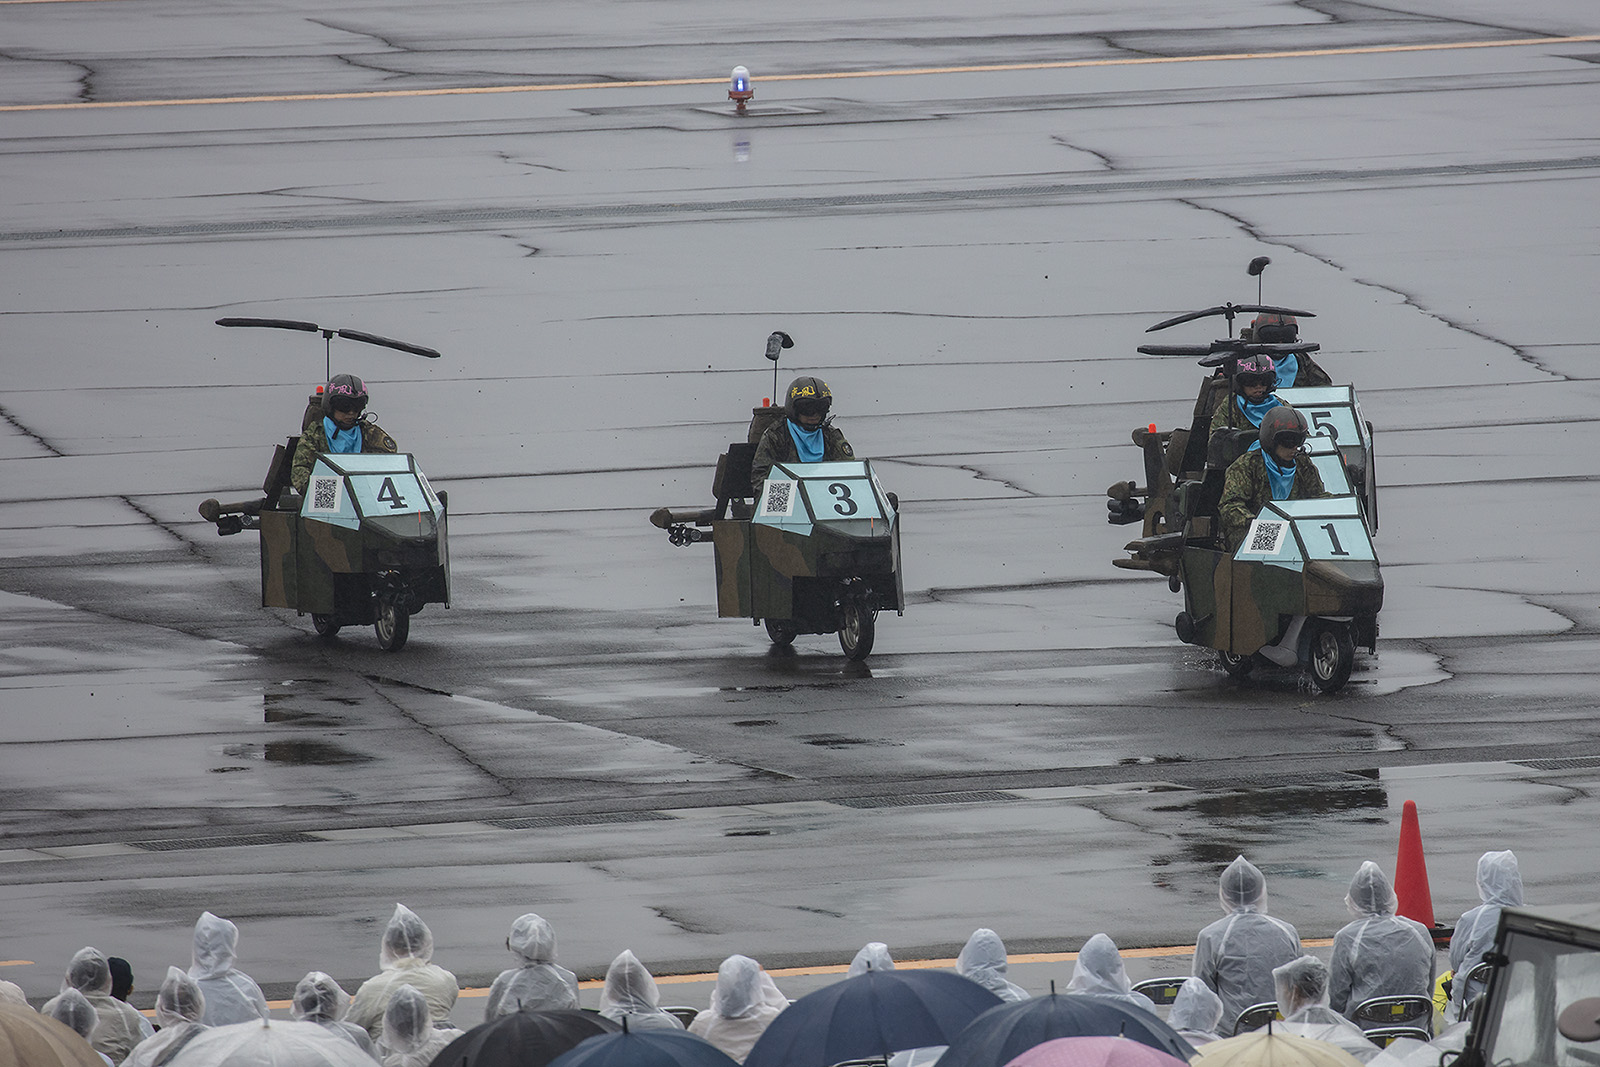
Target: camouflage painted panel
(730,540)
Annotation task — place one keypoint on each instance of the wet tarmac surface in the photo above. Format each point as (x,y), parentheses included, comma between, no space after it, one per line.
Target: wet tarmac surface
(969,257)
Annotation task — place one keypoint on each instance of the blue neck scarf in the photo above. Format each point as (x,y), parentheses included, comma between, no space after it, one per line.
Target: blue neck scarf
(1279,479)
(342,440)
(1253,412)
(808,444)
(1288,370)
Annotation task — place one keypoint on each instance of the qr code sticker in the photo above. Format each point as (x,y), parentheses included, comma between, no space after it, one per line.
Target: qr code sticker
(780,498)
(325,493)
(1266,537)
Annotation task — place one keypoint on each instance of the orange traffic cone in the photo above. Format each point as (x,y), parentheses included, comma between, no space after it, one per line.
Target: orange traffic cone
(1411,871)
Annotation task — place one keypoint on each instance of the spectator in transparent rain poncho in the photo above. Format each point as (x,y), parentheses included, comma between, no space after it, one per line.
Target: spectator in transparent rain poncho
(409,1038)
(1499,886)
(630,996)
(1195,1013)
(1380,954)
(873,956)
(179,1008)
(405,957)
(538,983)
(231,995)
(1302,987)
(72,1010)
(11,993)
(744,1001)
(983,959)
(319,999)
(119,1026)
(1235,955)
(1099,972)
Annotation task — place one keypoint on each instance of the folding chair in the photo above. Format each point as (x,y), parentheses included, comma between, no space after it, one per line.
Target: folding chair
(1255,1017)
(1161,990)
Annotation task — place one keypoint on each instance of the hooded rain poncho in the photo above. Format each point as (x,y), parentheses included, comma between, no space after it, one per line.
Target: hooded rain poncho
(1380,954)
(1499,886)
(743,1003)
(538,982)
(119,1026)
(405,956)
(1195,1013)
(1099,972)
(983,960)
(409,1038)
(319,999)
(1236,955)
(873,956)
(630,993)
(1302,992)
(180,1005)
(231,995)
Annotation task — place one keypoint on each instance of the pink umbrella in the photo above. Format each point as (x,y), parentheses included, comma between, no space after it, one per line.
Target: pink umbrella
(1094,1052)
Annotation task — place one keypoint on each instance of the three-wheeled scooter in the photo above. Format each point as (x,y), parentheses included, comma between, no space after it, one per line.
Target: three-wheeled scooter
(1304,589)
(365,545)
(814,549)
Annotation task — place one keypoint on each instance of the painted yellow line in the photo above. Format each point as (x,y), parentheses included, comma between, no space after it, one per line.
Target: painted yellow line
(481,90)
(1180,951)
(16,963)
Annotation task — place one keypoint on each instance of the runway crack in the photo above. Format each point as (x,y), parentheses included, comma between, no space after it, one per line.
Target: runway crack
(1522,354)
(38,439)
(1105,160)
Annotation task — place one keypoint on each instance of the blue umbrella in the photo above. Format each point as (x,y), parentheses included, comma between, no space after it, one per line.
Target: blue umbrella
(1001,1034)
(645,1048)
(872,1014)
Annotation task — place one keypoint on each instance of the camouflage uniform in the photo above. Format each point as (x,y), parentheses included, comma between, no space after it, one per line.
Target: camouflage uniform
(314,442)
(1246,489)
(1309,376)
(777,446)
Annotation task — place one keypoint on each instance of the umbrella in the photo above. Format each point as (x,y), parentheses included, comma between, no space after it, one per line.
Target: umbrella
(872,1014)
(1001,1034)
(523,1038)
(28,1039)
(270,1044)
(1263,1048)
(1094,1052)
(645,1048)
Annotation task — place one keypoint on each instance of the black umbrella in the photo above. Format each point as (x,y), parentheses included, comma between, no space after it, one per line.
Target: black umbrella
(646,1048)
(523,1039)
(872,1014)
(1001,1034)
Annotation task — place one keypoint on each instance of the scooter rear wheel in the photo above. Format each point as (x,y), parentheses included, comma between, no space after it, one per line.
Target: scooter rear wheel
(859,628)
(392,625)
(1333,653)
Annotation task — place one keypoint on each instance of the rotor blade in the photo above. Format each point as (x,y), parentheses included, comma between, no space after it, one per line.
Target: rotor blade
(1223,352)
(1175,350)
(1230,310)
(277,324)
(389,342)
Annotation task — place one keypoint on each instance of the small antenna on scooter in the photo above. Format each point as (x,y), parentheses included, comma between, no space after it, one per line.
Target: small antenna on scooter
(777,341)
(1258,267)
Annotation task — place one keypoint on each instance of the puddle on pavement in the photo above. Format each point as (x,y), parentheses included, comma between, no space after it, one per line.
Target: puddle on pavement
(838,741)
(296,753)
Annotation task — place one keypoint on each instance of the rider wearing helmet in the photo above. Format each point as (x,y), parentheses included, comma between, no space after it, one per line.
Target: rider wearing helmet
(805,435)
(1254,378)
(341,428)
(1277,470)
(1294,368)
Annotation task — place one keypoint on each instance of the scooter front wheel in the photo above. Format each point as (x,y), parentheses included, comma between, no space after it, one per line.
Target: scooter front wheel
(859,627)
(392,625)
(1237,666)
(780,633)
(1333,653)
